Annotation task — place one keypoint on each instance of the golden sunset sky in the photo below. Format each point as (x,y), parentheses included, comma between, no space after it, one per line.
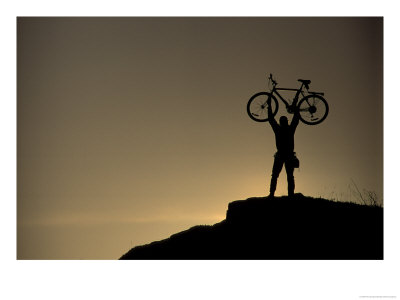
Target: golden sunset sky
(132,129)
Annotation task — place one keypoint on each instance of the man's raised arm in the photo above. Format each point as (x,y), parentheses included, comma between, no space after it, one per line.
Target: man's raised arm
(271,118)
(296,118)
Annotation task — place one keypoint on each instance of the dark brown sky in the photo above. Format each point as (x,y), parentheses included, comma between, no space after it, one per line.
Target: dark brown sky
(131,129)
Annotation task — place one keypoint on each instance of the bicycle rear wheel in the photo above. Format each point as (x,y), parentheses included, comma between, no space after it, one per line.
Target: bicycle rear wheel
(257,107)
(313,109)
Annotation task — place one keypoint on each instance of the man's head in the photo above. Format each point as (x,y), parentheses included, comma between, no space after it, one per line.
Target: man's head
(283,121)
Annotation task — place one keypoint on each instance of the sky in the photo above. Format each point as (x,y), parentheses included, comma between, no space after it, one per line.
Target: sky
(132,129)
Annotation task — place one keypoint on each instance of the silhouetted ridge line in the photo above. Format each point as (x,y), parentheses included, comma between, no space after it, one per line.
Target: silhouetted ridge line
(296,227)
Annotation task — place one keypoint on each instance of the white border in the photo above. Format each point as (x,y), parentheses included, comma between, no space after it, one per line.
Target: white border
(197,279)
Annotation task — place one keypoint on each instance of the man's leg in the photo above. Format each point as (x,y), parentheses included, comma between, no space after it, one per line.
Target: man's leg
(290,178)
(276,169)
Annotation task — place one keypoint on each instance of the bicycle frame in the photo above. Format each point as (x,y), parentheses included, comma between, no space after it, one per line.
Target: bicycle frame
(295,99)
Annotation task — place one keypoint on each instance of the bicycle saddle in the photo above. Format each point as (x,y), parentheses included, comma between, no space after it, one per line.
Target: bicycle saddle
(306,82)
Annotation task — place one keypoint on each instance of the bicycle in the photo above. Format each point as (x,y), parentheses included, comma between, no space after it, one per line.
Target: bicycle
(313,107)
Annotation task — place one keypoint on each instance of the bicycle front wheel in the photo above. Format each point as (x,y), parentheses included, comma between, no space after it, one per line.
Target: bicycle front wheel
(257,107)
(313,109)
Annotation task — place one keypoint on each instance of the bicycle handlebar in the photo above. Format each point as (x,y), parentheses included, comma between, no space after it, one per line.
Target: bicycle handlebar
(273,81)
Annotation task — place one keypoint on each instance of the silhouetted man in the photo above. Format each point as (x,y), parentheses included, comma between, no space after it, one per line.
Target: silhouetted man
(284,138)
